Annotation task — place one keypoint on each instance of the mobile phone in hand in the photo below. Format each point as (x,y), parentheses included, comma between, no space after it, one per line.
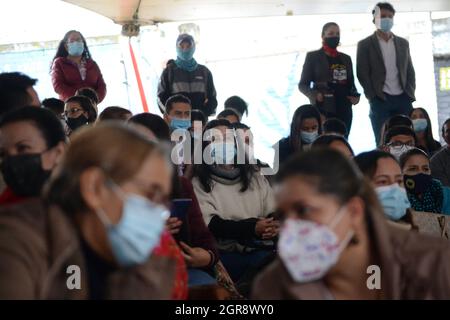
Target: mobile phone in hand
(180,208)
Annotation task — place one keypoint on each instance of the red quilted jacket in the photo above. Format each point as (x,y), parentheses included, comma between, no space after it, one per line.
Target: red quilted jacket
(66,78)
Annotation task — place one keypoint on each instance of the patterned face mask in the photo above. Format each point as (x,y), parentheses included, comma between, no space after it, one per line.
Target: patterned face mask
(308,249)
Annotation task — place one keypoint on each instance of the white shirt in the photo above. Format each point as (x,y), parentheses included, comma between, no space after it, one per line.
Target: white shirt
(392,84)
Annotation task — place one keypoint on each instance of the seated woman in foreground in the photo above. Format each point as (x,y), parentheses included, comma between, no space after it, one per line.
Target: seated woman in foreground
(335,243)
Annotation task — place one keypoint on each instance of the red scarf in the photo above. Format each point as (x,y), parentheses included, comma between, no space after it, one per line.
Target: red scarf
(330,51)
(8,197)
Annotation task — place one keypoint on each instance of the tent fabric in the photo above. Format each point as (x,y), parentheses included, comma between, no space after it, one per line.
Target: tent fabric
(155,11)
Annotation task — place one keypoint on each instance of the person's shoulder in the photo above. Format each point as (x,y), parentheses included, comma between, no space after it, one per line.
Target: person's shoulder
(314,53)
(345,56)
(401,40)
(186,185)
(31,212)
(266,284)
(25,223)
(203,69)
(415,248)
(90,63)
(283,143)
(196,184)
(441,153)
(366,40)
(60,61)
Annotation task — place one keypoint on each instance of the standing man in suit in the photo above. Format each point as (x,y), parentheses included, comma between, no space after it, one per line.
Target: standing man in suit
(385,70)
(327,78)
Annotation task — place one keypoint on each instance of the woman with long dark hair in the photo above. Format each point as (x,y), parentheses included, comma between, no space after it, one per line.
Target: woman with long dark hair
(422,128)
(235,201)
(73,68)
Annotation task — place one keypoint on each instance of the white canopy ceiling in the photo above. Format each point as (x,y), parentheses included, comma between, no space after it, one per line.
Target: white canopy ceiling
(153,11)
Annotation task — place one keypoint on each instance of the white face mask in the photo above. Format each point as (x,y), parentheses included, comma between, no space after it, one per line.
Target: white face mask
(308,249)
(397,151)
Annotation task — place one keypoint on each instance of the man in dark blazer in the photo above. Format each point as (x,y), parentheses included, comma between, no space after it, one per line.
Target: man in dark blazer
(385,70)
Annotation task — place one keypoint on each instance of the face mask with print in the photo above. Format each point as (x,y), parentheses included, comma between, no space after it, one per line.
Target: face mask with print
(308,249)
(420,125)
(75,48)
(394,201)
(309,137)
(419,183)
(397,151)
(139,230)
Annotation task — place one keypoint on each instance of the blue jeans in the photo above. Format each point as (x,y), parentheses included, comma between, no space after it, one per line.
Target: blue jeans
(382,110)
(197,277)
(237,263)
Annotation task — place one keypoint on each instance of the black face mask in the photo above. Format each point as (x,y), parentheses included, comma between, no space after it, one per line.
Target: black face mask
(418,183)
(75,123)
(332,42)
(24,174)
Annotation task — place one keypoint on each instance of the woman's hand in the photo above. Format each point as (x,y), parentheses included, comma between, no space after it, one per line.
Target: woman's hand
(173,225)
(266,228)
(353,100)
(195,257)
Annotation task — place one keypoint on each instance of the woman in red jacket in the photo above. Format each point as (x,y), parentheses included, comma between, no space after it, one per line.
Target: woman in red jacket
(73,68)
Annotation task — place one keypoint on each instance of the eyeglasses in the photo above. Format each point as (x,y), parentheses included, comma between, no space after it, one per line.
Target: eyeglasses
(72,112)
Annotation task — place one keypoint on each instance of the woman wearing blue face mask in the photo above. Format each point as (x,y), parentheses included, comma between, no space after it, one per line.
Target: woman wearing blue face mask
(235,201)
(101,229)
(185,76)
(305,128)
(383,170)
(424,133)
(73,68)
(425,193)
(334,242)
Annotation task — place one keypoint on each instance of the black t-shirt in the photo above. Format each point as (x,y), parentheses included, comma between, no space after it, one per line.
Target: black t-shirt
(97,272)
(339,83)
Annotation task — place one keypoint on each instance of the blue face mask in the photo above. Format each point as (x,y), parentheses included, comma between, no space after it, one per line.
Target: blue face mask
(394,200)
(420,125)
(386,24)
(139,230)
(75,48)
(177,123)
(308,137)
(185,55)
(223,153)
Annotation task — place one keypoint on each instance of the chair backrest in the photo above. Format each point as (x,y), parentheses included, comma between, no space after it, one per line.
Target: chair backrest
(432,223)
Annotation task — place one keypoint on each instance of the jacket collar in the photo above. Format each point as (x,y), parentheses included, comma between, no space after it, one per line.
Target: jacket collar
(88,62)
